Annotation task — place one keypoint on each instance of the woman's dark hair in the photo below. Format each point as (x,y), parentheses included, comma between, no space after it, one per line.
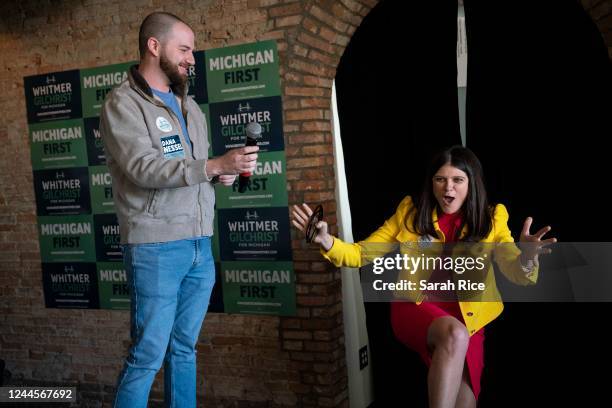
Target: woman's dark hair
(476,211)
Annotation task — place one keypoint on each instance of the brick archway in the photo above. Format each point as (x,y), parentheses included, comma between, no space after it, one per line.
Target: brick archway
(315,338)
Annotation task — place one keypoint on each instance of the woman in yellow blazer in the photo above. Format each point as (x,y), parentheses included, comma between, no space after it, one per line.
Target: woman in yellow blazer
(453,206)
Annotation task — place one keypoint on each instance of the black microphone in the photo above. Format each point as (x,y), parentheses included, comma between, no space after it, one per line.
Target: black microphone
(253,132)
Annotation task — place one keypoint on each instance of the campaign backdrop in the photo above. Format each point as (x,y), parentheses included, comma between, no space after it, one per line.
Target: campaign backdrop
(78,232)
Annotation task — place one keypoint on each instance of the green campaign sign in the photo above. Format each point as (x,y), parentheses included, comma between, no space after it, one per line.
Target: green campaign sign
(100,187)
(242,71)
(259,287)
(197,78)
(62,191)
(206,111)
(215,239)
(95,146)
(114,292)
(70,285)
(96,83)
(259,234)
(267,185)
(53,96)
(58,144)
(228,122)
(67,238)
(78,230)
(106,232)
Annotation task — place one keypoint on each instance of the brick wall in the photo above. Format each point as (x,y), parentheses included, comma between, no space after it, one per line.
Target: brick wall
(244,360)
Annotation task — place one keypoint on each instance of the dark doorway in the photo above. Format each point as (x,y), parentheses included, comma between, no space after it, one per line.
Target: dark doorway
(538,117)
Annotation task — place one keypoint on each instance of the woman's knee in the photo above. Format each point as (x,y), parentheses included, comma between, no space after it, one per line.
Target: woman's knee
(448,335)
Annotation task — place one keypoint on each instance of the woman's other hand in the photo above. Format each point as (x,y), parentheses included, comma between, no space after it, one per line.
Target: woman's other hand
(300,217)
(534,245)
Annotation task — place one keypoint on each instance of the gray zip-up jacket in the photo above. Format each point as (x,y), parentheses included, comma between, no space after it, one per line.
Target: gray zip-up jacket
(160,186)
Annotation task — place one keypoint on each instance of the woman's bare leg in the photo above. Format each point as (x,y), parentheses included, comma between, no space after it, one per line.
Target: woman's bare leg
(448,340)
(465,398)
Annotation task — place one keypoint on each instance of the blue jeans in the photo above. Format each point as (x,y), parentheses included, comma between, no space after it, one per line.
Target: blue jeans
(170,285)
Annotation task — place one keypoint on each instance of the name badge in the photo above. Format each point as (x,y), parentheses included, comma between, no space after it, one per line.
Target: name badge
(172,147)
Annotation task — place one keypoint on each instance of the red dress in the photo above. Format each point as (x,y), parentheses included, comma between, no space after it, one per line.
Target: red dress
(410,321)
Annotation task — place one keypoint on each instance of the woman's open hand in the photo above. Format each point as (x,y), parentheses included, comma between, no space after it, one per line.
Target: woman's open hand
(300,217)
(534,244)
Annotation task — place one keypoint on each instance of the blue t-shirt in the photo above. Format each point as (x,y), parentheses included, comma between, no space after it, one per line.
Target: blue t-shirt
(170,100)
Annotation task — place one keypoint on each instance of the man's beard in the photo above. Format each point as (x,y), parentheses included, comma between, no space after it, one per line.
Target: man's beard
(172,71)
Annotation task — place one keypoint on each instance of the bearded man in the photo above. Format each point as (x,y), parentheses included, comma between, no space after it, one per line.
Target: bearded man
(156,144)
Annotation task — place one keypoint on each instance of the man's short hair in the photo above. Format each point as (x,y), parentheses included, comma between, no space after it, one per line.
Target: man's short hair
(158,25)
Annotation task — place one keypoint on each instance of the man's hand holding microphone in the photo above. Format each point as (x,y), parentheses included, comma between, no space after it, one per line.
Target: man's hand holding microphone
(241,161)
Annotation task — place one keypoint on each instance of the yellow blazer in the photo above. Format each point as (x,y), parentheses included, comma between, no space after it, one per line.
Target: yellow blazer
(475,314)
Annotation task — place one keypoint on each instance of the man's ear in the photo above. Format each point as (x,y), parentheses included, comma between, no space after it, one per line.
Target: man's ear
(154,46)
